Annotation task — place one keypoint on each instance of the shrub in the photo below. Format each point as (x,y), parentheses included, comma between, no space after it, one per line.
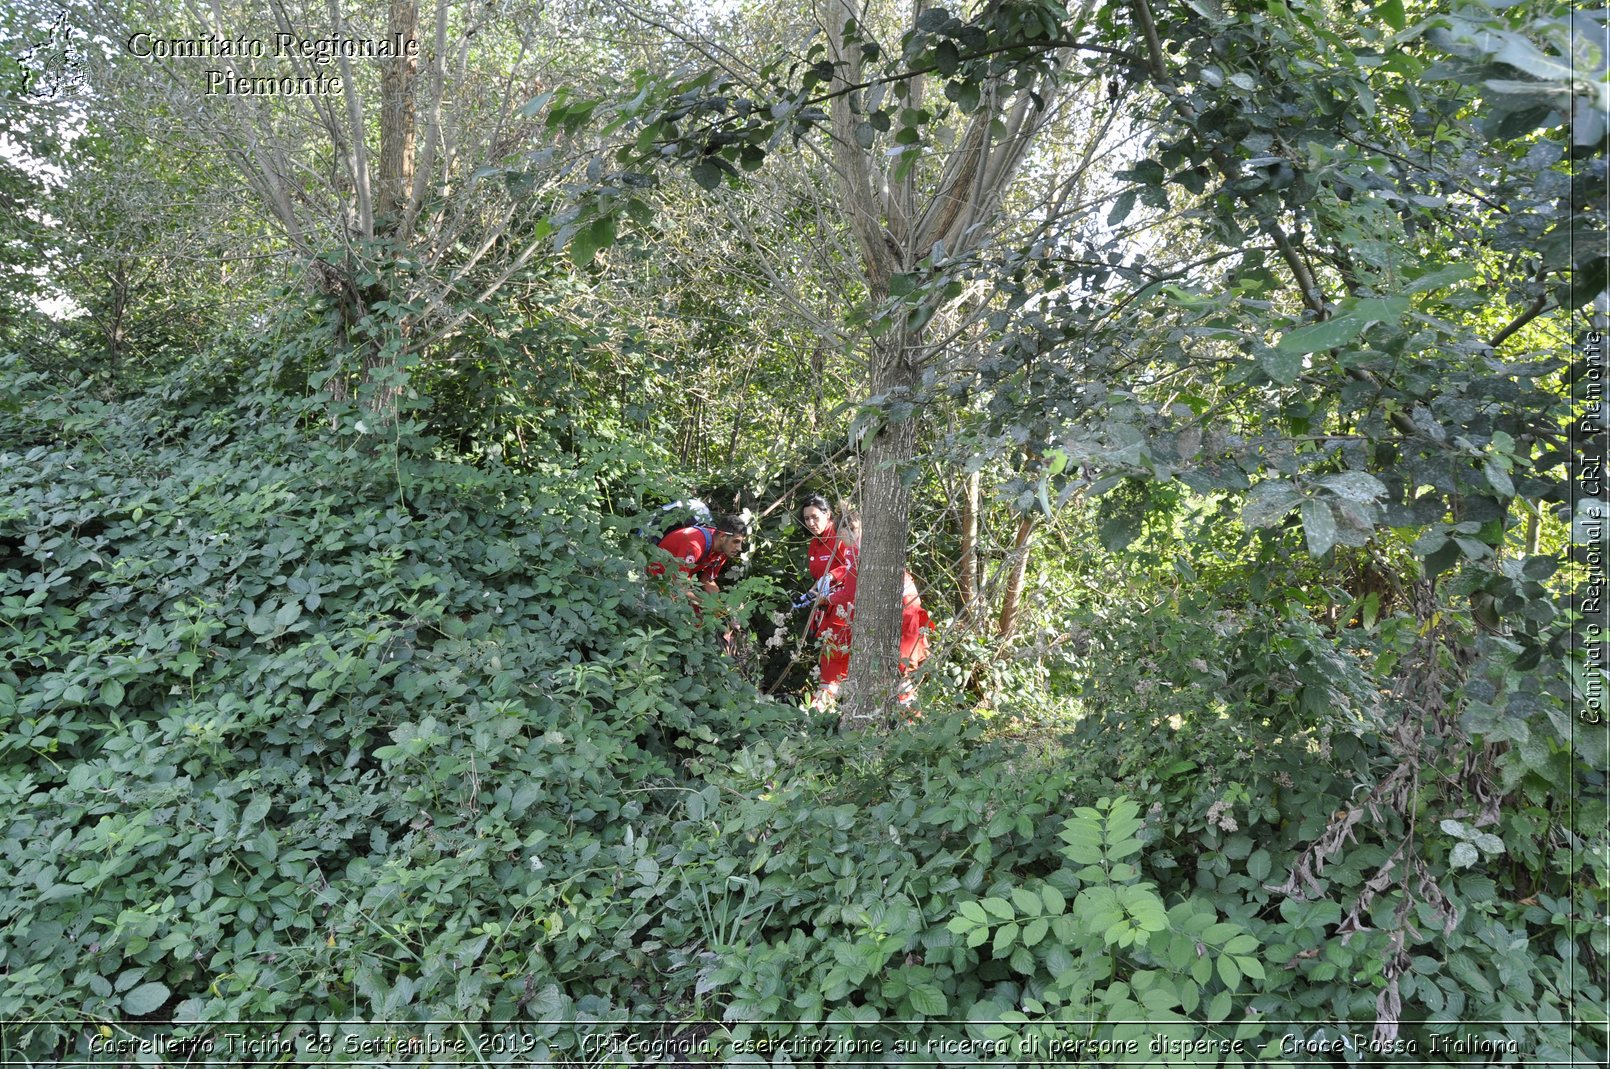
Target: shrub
(293,729)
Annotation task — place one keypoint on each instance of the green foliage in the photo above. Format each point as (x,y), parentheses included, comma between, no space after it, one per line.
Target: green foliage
(312,731)
(301,720)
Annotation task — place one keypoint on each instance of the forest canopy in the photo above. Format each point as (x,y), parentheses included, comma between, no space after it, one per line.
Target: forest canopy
(1228,377)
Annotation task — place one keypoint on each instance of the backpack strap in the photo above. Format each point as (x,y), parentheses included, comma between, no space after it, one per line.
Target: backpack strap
(709,545)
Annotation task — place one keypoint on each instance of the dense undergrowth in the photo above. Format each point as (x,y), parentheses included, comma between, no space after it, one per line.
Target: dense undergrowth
(298,729)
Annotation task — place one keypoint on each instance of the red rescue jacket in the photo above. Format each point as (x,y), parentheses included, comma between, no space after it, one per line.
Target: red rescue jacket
(826,553)
(914,619)
(693,549)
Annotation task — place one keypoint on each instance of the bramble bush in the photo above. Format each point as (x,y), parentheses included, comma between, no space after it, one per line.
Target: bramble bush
(298,727)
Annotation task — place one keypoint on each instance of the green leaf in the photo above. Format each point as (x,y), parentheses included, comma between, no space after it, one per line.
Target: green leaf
(1035,930)
(1026,901)
(287,614)
(1083,837)
(1391,12)
(1318,337)
(973,912)
(1463,856)
(145,999)
(1229,972)
(1121,207)
(583,247)
(706,174)
(999,907)
(1498,478)
(1319,524)
(1005,936)
(1283,366)
(929,1000)
(1096,909)
(1141,903)
(112,693)
(535,105)
(1540,567)
(1354,486)
(256,810)
(1258,865)
(1054,902)
(1440,277)
(1268,503)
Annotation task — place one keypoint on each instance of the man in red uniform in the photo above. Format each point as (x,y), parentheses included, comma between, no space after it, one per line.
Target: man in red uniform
(703,551)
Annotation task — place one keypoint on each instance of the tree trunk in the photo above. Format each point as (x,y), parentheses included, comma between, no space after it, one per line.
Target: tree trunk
(886,524)
(967,584)
(394,184)
(895,228)
(1013,597)
(395,181)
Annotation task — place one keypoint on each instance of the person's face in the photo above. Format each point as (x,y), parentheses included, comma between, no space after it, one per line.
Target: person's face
(814,519)
(729,544)
(850,533)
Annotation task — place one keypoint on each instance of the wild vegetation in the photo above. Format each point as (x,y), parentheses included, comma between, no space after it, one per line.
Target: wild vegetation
(1227,375)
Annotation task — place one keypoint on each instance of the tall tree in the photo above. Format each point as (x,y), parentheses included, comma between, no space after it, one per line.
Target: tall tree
(922,139)
(369,138)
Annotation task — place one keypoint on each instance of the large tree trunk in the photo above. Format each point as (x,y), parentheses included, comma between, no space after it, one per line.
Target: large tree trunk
(896,227)
(886,514)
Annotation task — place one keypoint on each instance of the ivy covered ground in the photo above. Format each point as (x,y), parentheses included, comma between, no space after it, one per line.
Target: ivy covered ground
(298,729)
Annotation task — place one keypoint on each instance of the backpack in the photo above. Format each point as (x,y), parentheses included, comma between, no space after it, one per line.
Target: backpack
(675,516)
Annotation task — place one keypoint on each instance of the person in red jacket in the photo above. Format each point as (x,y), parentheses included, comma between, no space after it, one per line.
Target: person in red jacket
(825,553)
(702,551)
(839,607)
(832,617)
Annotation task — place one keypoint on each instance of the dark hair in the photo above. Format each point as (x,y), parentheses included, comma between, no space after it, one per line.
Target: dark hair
(814,501)
(730,524)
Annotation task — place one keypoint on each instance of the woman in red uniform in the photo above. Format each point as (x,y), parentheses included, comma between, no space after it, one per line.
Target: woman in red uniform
(824,553)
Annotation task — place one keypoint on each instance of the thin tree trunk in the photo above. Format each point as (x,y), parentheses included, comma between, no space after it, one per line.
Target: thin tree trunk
(1013,598)
(397,77)
(360,149)
(394,182)
(967,565)
(893,232)
(738,413)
